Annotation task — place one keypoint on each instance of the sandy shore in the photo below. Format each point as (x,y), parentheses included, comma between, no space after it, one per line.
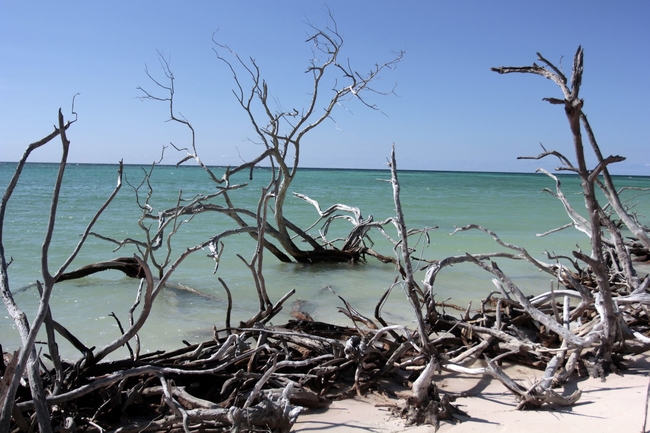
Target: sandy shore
(616,405)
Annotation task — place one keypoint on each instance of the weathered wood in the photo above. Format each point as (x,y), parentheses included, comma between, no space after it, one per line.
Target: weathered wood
(128,265)
(255,377)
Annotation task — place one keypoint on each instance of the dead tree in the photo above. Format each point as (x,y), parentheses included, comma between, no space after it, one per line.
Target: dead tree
(28,359)
(66,382)
(597,262)
(282,133)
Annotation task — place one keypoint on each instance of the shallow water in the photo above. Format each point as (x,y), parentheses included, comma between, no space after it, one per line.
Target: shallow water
(509,204)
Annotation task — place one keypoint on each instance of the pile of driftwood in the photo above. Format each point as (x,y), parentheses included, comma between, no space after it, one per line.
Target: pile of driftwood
(258,377)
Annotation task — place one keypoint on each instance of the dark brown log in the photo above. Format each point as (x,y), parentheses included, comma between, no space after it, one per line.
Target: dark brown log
(128,265)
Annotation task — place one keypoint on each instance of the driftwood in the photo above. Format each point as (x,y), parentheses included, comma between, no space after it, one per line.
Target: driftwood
(262,376)
(259,377)
(307,364)
(128,265)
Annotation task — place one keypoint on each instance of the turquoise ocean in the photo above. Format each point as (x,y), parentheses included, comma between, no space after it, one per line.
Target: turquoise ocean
(510,204)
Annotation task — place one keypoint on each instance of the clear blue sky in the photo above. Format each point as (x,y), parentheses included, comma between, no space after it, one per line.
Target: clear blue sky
(452,112)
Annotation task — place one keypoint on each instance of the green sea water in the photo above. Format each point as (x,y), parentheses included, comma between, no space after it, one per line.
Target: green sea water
(510,204)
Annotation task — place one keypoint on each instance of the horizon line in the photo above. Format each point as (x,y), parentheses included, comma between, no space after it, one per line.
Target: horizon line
(555,172)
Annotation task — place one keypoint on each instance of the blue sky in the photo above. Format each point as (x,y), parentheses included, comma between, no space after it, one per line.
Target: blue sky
(451,112)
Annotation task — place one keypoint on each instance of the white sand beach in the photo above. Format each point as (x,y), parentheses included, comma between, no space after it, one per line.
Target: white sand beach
(616,405)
